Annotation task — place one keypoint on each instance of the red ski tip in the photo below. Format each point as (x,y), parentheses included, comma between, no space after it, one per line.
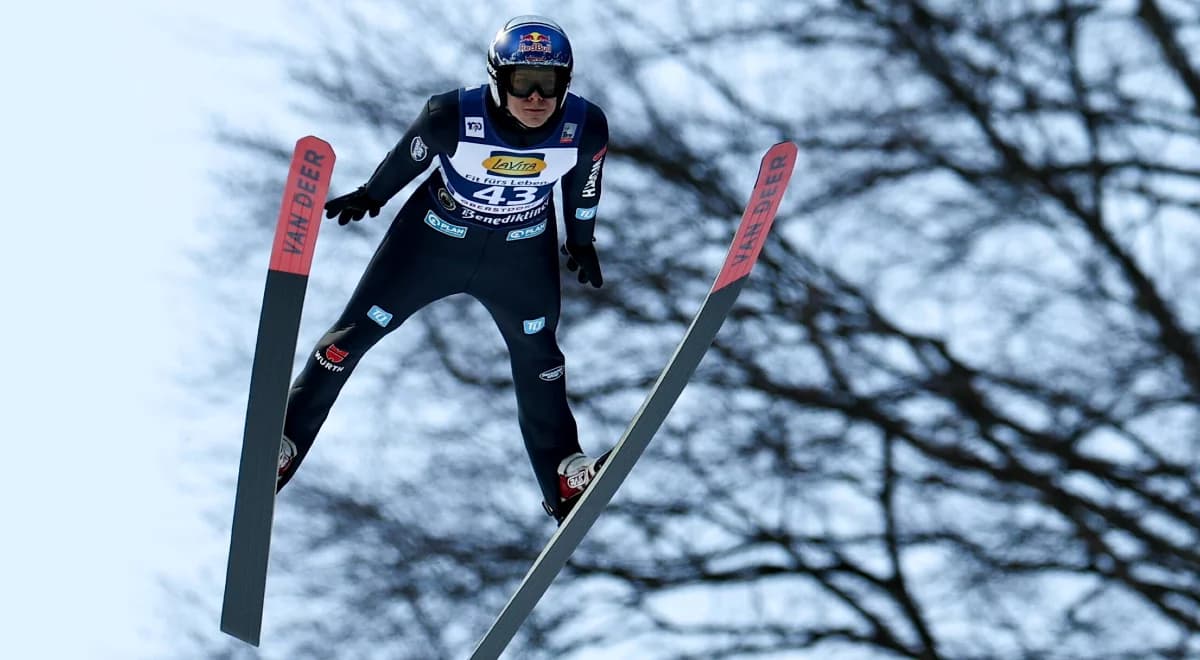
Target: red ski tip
(773,175)
(303,202)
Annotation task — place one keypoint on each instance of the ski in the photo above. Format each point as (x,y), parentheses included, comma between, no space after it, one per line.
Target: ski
(278,326)
(773,175)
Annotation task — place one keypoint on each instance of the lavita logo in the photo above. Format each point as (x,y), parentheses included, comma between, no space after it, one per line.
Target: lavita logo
(515,165)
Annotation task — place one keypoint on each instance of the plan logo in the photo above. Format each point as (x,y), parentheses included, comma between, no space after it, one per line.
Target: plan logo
(585,214)
(452,230)
(534,326)
(527,232)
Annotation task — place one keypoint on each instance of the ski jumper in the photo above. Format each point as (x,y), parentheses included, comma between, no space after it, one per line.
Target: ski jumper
(483,223)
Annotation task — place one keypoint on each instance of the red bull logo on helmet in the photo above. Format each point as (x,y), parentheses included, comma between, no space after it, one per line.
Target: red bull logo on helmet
(534,42)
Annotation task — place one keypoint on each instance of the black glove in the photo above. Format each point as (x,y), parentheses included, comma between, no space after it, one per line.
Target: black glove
(584,259)
(352,206)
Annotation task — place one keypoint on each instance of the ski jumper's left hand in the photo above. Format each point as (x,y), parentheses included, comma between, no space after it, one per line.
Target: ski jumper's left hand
(584,259)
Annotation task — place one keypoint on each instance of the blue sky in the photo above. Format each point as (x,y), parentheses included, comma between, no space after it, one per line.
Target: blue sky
(107,172)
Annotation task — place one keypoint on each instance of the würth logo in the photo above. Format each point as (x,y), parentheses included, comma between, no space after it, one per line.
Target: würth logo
(331,358)
(335,354)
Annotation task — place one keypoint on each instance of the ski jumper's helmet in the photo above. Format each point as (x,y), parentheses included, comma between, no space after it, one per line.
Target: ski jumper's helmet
(530,53)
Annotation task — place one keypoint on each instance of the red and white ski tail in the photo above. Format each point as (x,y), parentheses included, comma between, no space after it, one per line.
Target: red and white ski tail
(773,176)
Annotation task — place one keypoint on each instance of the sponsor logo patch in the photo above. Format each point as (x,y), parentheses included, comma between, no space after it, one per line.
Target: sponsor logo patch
(552,374)
(417,149)
(446,228)
(527,232)
(446,199)
(474,126)
(379,315)
(578,480)
(515,164)
(507,218)
(534,42)
(331,358)
(568,132)
(534,326)
(589,188)
(335,354)
(585,214)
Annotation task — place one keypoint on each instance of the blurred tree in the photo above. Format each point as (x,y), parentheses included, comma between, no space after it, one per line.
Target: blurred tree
(955,415)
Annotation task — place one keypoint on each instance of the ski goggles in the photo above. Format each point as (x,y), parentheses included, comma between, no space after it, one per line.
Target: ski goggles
(549,82)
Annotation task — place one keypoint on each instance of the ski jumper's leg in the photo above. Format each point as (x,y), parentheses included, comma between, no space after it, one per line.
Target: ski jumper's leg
(412,267)
(518,282)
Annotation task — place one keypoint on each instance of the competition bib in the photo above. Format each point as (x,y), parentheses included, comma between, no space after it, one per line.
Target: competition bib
(490,183)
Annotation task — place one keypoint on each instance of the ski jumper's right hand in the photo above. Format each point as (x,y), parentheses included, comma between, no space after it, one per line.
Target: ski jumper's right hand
(583,258)
(352,206)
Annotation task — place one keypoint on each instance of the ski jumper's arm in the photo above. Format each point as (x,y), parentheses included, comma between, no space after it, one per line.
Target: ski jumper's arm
(435,131)
(581,185)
